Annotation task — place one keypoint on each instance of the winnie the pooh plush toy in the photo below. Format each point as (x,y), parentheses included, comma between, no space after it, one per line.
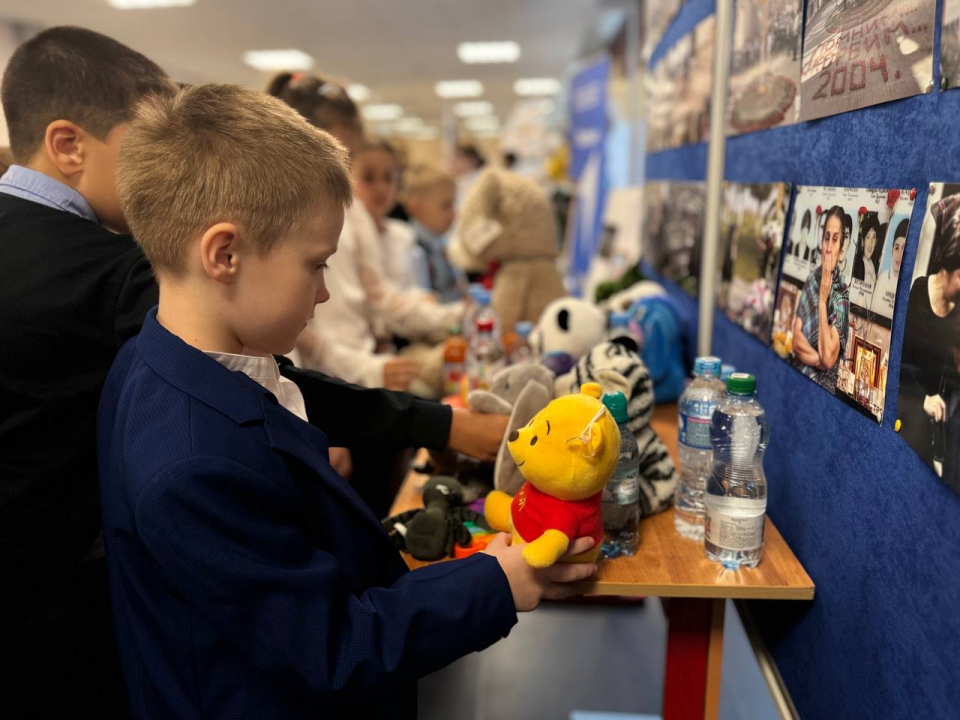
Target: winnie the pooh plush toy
(566,454)
(507,219)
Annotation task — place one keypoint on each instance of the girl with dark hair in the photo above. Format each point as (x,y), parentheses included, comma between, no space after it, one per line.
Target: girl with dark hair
(823,311)
(324,103)
(842,263)
(868,245)
(929,404)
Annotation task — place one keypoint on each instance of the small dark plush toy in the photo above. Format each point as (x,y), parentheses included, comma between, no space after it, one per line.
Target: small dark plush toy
(428,533)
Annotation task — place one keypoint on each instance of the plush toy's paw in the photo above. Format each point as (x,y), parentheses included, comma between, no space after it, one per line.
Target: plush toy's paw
(546,549)
(483,401)
(497,510)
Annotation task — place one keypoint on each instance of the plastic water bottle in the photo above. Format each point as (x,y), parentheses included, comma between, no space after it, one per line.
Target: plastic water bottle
(485,312)
(485,357)
(475,293)
(697,404)
(726,371)
(736,497)
(621,497)
(521,353)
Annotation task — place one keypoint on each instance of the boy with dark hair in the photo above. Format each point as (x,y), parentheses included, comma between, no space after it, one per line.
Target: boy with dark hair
(248,579)
(71,292)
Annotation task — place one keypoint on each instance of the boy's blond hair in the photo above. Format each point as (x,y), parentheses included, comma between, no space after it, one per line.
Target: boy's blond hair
(222,153)
(423,178)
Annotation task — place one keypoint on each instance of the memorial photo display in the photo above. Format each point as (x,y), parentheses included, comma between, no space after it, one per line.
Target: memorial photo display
(764,87)
(751,238)
(674,230)
(678,91)
(864,53)
(854,239)
(928,404)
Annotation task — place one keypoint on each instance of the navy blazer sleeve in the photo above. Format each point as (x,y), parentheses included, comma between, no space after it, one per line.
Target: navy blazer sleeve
(228,540)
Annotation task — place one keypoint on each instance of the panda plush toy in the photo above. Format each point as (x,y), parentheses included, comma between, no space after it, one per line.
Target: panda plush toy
(567,330)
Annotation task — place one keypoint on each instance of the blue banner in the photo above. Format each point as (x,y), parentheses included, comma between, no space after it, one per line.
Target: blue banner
(588,130)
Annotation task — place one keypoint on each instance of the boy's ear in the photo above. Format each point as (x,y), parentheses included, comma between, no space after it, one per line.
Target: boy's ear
(64,144)
(218,252)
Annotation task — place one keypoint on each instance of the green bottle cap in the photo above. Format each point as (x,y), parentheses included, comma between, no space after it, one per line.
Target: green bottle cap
(616,403)
(741,384)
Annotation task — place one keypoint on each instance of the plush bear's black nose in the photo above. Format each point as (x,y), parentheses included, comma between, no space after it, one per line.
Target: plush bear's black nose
(513,436)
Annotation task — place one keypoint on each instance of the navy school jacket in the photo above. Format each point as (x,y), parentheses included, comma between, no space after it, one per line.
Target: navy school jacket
(248,580)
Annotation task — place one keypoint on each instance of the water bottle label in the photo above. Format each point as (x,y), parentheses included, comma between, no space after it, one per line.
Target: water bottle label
(694,431)
(733,531)
(623,491)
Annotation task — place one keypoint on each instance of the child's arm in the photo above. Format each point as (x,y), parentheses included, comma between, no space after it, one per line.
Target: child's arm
(229,541)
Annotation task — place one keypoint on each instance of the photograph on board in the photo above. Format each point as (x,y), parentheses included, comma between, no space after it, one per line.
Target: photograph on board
(752,223)
(674,230)
(657,17)
(863,53)
(678,91)
(928,404)
(950,44)
(764,89)
(834,307)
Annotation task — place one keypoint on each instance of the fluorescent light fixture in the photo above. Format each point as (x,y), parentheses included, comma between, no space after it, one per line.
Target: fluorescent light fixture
(458,88)
(358,92)
(409,125)
(484,122)
(426,133)
(472,108)
(278,59)
(536,86)
(475,53)
(150,4)
(382,112)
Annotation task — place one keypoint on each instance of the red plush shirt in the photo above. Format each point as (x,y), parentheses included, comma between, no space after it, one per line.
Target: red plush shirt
(534,512)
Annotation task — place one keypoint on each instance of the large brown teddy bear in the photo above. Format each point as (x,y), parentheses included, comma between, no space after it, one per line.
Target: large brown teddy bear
(507,219)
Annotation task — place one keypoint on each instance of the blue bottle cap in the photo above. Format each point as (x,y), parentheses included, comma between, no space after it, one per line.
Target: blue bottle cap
(707,366)
(726,371)
(523,328)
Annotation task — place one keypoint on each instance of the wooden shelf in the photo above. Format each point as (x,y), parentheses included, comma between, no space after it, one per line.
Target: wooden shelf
(668,565)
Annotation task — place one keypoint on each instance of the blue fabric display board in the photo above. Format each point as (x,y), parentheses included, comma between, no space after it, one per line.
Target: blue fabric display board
(878,532)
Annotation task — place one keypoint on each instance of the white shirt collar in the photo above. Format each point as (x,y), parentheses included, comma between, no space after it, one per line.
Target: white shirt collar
(263,370)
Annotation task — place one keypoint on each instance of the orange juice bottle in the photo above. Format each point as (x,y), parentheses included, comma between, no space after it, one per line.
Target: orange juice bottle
(454,362)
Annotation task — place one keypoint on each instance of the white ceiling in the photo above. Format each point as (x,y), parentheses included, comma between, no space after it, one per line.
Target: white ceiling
(398,48)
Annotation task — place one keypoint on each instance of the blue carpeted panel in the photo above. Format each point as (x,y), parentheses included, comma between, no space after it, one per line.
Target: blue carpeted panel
(875,528)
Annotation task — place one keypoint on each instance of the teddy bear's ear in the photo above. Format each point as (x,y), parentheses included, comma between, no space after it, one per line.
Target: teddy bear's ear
(479,234)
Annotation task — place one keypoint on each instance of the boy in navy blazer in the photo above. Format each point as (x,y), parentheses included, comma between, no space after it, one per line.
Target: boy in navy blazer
(247,578)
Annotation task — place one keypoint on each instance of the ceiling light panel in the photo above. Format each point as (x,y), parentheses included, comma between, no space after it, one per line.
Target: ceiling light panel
(536,86)
(448,89)
(382,112)
(474,53)
(358,93)
(473,108)
(150,4)
(275,60)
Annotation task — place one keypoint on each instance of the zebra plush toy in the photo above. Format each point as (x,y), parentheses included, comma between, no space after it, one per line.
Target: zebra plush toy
(618,367)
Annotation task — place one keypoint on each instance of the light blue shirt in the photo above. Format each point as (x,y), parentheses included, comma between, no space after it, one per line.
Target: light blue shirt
(31,185)
(432,269)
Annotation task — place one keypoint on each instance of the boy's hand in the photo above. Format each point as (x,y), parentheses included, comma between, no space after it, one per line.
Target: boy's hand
(476,434)
(530,585)
(398,372)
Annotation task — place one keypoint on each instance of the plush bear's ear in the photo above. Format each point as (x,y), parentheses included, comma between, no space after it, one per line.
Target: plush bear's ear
(589,444)
(479,234)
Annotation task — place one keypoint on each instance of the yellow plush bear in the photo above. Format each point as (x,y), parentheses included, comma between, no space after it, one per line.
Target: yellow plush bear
(567,455)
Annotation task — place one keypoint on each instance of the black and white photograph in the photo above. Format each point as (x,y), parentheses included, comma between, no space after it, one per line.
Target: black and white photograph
(764,87)
(928,404)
